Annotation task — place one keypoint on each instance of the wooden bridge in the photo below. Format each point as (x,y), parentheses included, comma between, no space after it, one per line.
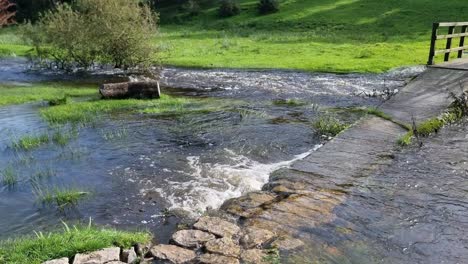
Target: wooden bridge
(456,31)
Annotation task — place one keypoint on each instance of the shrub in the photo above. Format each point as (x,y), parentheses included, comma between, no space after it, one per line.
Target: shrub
(268,6)
(191,7)
(114,32)
(229,8)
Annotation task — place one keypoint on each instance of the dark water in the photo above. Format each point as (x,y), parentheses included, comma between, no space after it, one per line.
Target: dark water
(135,166)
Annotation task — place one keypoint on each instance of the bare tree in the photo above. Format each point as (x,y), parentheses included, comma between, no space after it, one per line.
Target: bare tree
(6,14)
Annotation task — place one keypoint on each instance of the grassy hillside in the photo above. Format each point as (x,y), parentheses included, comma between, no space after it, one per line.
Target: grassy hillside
(313,35)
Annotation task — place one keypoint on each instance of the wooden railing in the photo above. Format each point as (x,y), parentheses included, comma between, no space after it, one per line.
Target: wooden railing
(452,34)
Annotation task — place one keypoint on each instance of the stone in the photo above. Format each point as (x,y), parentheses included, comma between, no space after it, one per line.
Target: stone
(57,261)
(98,257)
(249,204)
(217,226)
(172,253)
(223,246)
(253,256)
(217,259)
(129,255)
(256,237)
(147,261)
(139,90)
(287,243)
(191,238)
(115,262)
(142,248)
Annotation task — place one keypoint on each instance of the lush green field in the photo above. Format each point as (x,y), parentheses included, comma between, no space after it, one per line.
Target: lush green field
(319,35)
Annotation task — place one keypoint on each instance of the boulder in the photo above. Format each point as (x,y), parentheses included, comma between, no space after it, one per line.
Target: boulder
(172,253)
(223,246)
(139,90)
(217,226)
(57,261)
(256,237)
(98,257)
(129,255)
(253,256)
(217,259)
(248,205)
(287,243)
(191,238)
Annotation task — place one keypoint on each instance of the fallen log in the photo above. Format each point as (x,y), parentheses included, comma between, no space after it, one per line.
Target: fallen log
(138,90)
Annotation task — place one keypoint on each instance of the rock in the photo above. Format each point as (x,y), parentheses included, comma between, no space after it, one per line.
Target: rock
(138,90)
(287,243)
(147,261)
(129,255)
(223,246)
(253,256)
(115,262)
(217,226)
(217,259)
(142,248)
(98,257)
(192,238)
(57,261)
(256,237)
(249,204)
(172,253)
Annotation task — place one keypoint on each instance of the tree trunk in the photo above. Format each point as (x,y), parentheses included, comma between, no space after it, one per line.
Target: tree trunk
(139,90)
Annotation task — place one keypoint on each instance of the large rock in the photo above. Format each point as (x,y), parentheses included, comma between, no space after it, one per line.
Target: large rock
(256,237)
(192,238)
(98,257)
(217,259)
(223,246)
(172,253)
(57,261)
(217,226)
(139,90)
(253,256)
(287,243)
(129,255)
(248,205)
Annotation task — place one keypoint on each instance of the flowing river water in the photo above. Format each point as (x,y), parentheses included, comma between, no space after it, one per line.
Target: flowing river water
(138,167)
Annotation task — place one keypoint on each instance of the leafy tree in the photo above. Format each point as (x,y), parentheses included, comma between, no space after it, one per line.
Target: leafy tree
(268,6)
(114,32)
(6,13)
(229,8)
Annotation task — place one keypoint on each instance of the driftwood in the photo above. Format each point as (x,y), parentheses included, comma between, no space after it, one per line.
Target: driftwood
(139,90)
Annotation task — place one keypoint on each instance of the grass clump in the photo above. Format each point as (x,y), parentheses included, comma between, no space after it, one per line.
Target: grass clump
(62,138)
(329,125)
(9,176)
(62,197)
(289,102)
(66,243)
(12,94)
(29,142)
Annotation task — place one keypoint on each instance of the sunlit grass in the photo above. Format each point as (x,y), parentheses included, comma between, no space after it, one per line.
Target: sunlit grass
(61,197)
(66,243)
(30,142)
(328,125)
(12,94)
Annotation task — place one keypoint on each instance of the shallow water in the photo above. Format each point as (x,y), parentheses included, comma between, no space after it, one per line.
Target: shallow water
(135,166)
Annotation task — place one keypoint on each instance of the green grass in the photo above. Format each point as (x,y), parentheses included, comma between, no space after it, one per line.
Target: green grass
(319,35)
(9,176)
(29,142)
(88,112)
(329,125)
(289,102)
(61,197)
(66,243)
(12,94)
(62,137)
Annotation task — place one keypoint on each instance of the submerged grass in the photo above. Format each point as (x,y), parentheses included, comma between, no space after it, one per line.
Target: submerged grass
(13,94)
(66,243)
(62,197)
(9,176)
(29,142)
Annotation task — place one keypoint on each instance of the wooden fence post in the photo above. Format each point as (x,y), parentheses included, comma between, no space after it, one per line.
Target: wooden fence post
(449,43)
(462,41)
(435,28)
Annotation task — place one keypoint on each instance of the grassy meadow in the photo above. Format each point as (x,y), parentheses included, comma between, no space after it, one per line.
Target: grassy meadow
(321,35)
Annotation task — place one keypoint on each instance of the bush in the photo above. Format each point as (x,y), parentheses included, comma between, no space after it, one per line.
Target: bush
(268,6)
(191,7)
(114,32)
(229,8)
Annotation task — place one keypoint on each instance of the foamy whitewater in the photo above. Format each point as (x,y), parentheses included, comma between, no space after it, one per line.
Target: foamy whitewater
(212,184)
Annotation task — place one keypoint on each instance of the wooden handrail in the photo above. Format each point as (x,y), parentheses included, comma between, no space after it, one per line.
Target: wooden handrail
(452,28)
